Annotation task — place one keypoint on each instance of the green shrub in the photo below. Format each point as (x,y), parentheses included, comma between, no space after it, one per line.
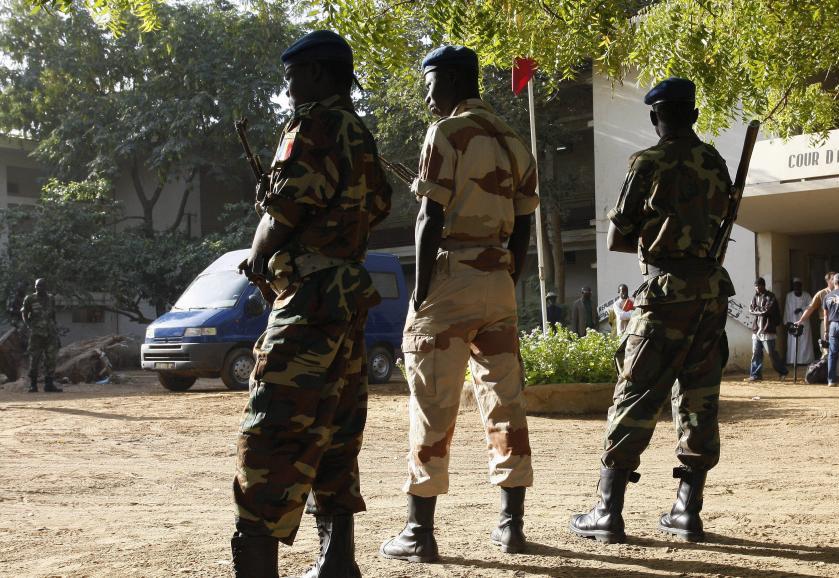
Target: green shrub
(560,356)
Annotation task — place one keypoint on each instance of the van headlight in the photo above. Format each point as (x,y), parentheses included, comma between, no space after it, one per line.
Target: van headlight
(150,332)
(199,331)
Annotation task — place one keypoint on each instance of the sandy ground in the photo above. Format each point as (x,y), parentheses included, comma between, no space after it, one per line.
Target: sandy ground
(131,480)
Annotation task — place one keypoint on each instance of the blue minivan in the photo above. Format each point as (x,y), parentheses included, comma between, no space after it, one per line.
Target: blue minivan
(211,329)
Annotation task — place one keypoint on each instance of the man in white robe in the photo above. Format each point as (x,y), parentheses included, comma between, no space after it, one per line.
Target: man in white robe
(797,301)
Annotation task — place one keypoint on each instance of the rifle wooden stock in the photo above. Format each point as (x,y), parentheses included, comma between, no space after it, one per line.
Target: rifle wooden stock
(720,246)
(399,170)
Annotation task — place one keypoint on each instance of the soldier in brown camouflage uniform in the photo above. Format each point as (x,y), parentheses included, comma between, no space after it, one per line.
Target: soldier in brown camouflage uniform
(674,198)
(477,184)
(303,424)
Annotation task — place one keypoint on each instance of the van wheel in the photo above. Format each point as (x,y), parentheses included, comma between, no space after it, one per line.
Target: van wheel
(175,382)
(379,365)
(237,368)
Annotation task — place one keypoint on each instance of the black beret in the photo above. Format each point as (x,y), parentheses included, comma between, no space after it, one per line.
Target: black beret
(450,55)
(319,45)
(672,89)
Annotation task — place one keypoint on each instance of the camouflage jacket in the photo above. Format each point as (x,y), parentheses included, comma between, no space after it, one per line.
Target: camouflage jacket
(41,314)
(483,175)
(673,200)
(327,188)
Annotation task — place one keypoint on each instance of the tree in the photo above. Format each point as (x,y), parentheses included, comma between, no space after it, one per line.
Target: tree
(776,61)
(112,13)
(162,104)
(70,237)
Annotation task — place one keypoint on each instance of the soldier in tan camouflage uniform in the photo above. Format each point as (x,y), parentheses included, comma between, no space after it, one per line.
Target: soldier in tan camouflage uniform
(674,198)
(303,424)
(38,313)
(477,184)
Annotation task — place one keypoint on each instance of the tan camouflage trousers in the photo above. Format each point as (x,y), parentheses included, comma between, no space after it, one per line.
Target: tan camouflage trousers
(469,318)
(676,350)
(303,424)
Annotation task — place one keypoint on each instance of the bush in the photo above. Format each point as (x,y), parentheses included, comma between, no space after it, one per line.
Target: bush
(560,356)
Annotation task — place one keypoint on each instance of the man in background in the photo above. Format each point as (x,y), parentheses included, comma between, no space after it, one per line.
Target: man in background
(830,331)
(766,316)
(797,300)
(582,313)
(622,309)
(552,310)
(38,314)
(816,303)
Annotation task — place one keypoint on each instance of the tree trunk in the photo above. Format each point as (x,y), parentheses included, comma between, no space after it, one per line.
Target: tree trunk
(184,198)
(146,202)
(555,233)
(547,249)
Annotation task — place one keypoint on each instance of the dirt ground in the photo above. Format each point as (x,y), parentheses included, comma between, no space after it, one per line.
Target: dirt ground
(131,480)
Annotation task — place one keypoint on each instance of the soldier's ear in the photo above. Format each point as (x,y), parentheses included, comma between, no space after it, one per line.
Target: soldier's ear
(694,116)
(653,118)
(316,70)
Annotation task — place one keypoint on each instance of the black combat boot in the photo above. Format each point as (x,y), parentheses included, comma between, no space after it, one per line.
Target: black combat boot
(683,520)
(50,386)
(509,533)
(416,543)
(33,385)
(337,548)
(604,522)
(254,556)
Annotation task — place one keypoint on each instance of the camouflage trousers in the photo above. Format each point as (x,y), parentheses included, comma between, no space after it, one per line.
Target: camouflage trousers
(303,423)
(675,349)
(42,348)
(469,317)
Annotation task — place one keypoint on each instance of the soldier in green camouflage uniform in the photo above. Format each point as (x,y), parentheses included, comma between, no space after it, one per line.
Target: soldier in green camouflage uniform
(303,424)
(477,185)
(38,314)
(674,198)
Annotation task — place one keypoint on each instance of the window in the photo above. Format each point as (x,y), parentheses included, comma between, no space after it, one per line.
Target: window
(88,315)
(386,284)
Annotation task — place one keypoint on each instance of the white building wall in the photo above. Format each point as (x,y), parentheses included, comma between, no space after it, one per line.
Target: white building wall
(621,127)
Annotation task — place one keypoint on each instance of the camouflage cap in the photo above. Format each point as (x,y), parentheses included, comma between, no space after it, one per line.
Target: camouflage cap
(672,89)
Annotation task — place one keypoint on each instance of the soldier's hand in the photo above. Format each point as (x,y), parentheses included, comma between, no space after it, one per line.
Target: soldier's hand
(262,188)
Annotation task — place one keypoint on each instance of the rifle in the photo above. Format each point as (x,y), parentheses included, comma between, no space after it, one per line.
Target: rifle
(399,170)
(720,246)
(258,274)
(241,130)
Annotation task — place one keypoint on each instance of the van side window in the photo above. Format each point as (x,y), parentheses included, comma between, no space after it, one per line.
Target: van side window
(386,284)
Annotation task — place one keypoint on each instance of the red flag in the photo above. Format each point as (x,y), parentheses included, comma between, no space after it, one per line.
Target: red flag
(523,71)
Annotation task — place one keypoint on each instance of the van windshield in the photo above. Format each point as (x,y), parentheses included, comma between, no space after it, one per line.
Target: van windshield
(216,290)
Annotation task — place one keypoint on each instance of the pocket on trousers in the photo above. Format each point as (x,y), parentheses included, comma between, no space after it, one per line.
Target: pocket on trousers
(419,350)
(641,353)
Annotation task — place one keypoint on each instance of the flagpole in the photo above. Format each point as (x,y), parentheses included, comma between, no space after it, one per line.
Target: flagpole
(539,241)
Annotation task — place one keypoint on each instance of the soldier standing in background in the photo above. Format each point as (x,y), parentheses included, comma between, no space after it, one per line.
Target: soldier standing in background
(477,183)
(303,424)
(673,201)
(38,314)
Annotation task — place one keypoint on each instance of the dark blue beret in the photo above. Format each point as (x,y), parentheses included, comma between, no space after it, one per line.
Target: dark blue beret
(672,89)
(451,55)
(319,45)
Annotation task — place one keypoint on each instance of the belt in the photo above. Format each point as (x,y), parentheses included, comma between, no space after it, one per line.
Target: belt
(309,263)
(680,267)
(453,245)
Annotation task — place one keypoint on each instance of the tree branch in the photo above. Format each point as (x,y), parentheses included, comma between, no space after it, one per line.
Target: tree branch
(392,7)
(782,101)
(182,208)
